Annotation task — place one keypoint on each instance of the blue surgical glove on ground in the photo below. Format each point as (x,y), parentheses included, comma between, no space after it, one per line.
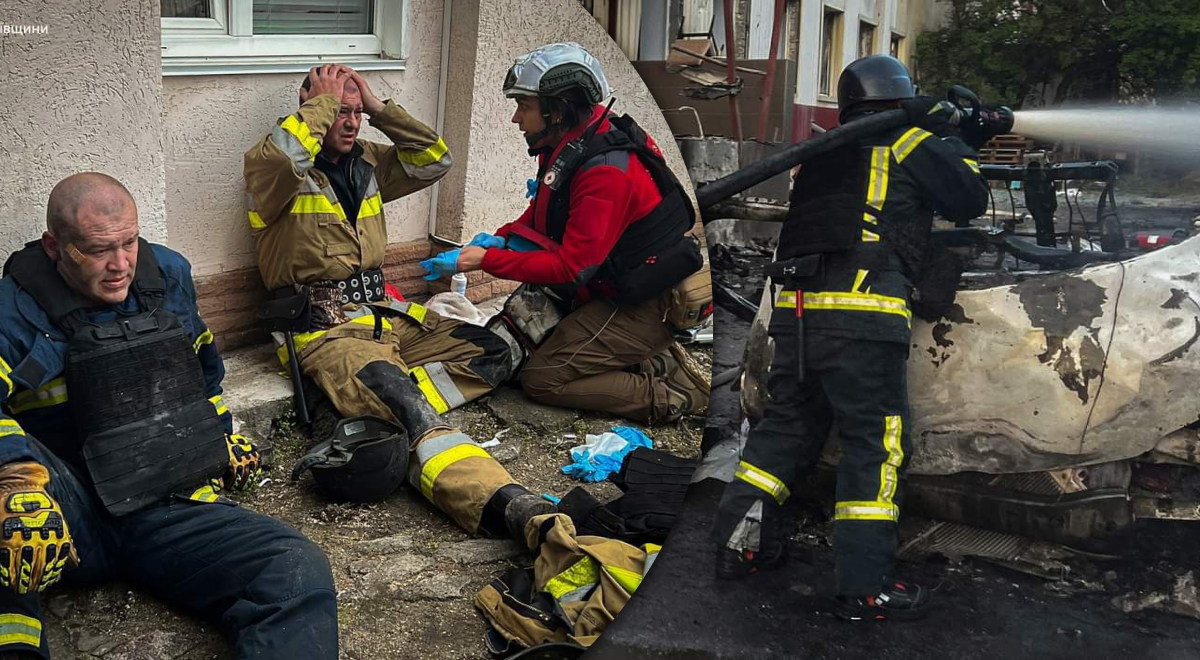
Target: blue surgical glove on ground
(603,454)
(487,241)
(445,264)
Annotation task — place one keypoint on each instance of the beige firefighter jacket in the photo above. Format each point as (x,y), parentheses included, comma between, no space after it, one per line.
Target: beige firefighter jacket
(301,233)
(590,579)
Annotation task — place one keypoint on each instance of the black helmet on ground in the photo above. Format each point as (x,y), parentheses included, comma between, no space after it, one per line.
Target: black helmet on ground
(365,460)
(873,78)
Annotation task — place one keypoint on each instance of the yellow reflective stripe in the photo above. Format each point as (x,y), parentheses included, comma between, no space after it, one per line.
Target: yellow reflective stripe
(972,164)
(859,278)
(219,404)
(305,338)
(629,580)
(857,302)
(422,158)
(300,131)
(317,203)
(889,476)
(205,337)
(763,480)
(5,370)
(434,466)
(204,494)
(786,299)
(20,629)
(869,236)
(256,221)
(583,573)
(50,394)
(651,548)
(425,383)
(870,219)
(866,511)
(10,427)
(877,184)
(909,141)
(417,312)
(372,205)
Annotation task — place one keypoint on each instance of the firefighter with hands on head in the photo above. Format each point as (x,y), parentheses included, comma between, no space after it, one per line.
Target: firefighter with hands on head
(117,444)
(315,196)
(856,241)
(605,236)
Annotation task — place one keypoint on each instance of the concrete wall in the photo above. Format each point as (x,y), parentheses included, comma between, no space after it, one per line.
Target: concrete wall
(487,188)
(83,96)
(211,120)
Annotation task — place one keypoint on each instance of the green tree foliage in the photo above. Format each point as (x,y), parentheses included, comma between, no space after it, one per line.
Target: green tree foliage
(1045,52)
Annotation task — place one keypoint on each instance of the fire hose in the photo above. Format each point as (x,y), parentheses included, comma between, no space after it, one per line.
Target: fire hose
(987,122)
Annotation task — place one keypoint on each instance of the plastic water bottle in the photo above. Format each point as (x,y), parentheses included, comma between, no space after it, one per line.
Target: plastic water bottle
(458,284)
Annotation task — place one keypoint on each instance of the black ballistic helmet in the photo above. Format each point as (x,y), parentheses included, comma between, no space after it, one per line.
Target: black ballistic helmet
(365,460)
(873,78)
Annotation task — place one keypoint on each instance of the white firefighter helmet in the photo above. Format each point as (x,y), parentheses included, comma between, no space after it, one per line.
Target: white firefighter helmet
(555,70)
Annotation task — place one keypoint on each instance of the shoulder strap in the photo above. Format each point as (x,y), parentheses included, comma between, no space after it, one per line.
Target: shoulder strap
(35,272)
(148,280)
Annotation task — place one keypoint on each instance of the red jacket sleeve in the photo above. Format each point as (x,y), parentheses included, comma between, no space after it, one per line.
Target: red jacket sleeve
(600,201)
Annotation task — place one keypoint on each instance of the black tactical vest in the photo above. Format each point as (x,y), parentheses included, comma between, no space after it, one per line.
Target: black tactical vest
(653,254)
(145,429)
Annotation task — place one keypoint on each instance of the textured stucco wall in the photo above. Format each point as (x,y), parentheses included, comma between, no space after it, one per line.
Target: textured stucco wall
(491,184)
(211,120)
(83,96)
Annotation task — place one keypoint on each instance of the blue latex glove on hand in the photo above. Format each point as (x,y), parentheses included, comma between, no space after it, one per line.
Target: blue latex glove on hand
(445,264)
(487,241)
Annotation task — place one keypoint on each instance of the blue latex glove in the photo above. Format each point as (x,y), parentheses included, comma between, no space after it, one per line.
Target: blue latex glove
(521,244)
(603,454)
(487,241)
(531,186)
(445,264)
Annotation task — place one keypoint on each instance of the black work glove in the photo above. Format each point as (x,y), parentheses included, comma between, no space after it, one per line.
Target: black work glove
(937,117)
(985,123)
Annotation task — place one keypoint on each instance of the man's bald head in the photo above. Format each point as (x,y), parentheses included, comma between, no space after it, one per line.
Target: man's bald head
(98,193)
(92,235)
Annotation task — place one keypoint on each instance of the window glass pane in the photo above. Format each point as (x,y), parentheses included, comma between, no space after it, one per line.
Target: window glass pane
(186,9)
(313,16)
(828,38)
(866,39)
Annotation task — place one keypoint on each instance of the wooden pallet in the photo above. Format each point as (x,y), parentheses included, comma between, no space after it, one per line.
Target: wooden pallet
(1009,142)
(1001,156)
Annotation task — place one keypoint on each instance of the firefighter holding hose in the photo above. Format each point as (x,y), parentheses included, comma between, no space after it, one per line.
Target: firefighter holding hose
(855,241)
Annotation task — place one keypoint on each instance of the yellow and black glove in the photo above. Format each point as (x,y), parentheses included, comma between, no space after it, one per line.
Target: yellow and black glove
(245,463)
(35,544)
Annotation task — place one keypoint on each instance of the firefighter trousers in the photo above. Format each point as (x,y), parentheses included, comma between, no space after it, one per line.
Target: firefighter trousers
(262,582)
(453,362)
(862,386)
(409,369)
(583,365)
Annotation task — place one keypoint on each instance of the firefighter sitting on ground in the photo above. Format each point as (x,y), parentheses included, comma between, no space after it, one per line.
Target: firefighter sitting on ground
(611,222)
(115,439)
(315,196)
(856,240)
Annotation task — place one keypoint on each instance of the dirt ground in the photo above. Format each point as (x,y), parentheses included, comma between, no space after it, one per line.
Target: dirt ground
(406,575)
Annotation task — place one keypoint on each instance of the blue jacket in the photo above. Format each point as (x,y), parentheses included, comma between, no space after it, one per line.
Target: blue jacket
(26,334)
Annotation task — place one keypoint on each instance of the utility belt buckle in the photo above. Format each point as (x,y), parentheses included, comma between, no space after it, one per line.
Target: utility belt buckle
(365,286)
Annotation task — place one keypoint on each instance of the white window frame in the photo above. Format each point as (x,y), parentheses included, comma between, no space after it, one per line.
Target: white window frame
(225,44)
